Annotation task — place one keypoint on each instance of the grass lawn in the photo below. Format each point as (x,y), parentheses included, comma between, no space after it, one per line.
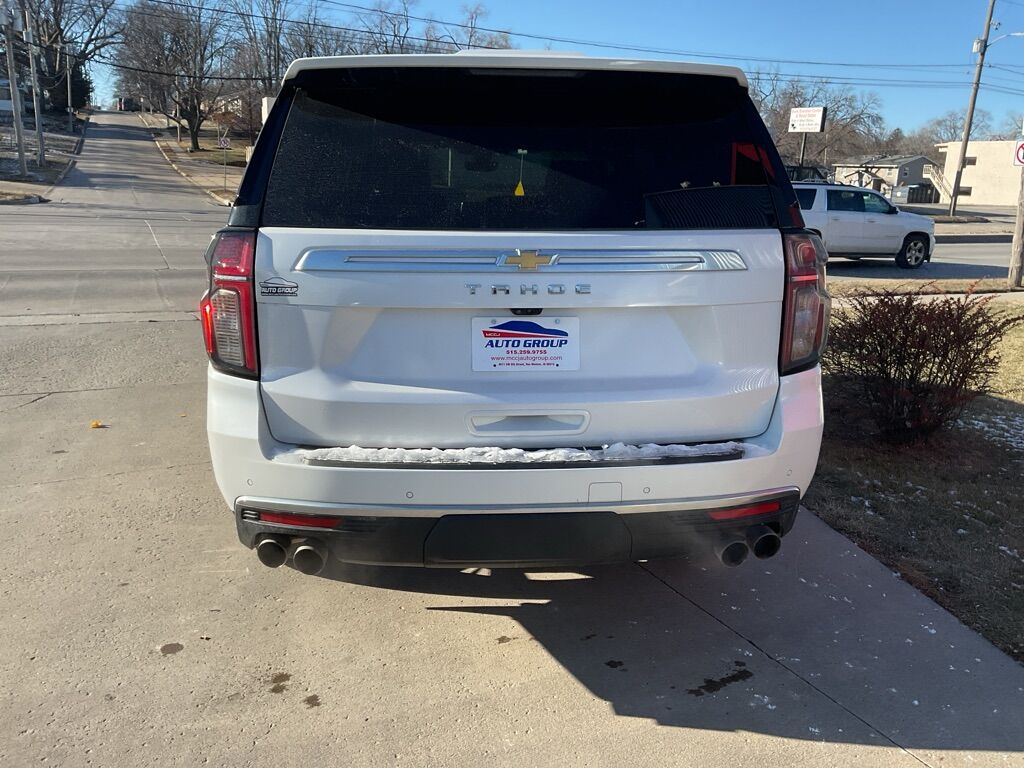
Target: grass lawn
(947,514)
(39,179)
(211,153)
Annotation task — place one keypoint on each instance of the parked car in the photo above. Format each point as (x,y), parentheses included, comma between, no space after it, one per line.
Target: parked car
(513,310)
(854,222)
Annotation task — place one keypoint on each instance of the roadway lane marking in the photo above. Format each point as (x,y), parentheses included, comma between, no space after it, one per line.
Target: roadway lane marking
(166,265)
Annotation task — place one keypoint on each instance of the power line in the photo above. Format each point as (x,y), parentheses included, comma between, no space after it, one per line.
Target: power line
(865,80)
(878,82)
(623,46)
(278,20)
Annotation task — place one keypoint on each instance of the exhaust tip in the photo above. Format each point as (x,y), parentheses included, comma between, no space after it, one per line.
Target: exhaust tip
(763,542)
(309,558)
(732,553)
(272,551)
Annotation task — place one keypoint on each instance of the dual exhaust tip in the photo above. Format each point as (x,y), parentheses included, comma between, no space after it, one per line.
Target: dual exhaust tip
(759,539)
(309,556)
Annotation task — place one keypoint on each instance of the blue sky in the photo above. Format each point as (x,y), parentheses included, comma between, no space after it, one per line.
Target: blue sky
(911,34)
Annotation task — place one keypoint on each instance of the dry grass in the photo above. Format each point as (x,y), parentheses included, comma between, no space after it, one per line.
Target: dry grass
(209,151)
(948,514)
(850,286)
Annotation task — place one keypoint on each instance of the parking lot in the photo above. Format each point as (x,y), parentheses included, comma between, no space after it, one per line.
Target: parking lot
(140,632)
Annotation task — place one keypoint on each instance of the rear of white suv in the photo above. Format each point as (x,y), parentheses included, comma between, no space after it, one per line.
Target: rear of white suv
(513,310)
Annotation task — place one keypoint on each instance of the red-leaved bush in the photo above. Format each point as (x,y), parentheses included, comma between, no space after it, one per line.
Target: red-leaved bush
(916,360)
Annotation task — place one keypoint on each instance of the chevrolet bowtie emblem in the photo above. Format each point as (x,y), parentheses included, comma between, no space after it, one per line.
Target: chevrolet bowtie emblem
(528,259)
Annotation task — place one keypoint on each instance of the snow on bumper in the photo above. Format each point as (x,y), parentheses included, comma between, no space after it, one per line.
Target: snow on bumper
(243,453)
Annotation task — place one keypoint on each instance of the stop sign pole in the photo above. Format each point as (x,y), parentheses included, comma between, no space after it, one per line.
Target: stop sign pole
(1013,277)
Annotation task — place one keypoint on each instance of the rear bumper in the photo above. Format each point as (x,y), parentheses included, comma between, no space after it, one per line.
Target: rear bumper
(596,533)
(425,516)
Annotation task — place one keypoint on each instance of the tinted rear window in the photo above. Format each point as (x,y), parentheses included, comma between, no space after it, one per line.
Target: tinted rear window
(516,149)
(806,198)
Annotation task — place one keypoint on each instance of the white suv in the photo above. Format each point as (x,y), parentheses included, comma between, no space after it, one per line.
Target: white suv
(513,310)
(854,222)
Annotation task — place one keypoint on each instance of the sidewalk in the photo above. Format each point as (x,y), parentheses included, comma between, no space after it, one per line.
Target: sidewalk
(218,182)
(990,224)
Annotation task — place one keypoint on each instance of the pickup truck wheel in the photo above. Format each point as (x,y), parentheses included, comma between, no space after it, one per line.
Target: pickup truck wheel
(913,253)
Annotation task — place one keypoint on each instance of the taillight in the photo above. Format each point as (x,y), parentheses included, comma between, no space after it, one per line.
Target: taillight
(228,309)
(806,304)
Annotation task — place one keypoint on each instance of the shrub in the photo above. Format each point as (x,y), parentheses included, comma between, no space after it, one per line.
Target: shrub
(916,360)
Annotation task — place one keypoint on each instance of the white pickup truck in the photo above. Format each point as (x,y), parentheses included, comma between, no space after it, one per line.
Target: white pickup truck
(513,309)
(854,222)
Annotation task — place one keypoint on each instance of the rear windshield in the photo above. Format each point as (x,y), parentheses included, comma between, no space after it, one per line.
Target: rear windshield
(466,149)
(806,198)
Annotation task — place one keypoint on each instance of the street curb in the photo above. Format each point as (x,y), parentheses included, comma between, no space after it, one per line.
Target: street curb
(67,169)
(30,200)
(997,237)
(220,200)
(81,139)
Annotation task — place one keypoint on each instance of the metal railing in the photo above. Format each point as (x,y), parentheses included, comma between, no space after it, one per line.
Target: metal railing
(933,173)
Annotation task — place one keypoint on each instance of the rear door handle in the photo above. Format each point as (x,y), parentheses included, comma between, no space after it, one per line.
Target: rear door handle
(872,221)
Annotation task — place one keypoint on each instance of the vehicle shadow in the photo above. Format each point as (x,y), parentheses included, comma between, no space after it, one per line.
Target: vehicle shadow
(820,643)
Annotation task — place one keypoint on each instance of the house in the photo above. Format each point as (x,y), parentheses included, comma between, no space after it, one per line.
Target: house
(883,174)
(989,177)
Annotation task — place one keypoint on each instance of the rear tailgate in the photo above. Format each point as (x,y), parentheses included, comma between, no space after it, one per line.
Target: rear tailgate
(374,345)
(463,257)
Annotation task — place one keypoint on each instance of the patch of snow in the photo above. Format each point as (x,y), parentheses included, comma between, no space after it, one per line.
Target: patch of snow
(1007,429)
(1011,552)
(493,455)
(961,532)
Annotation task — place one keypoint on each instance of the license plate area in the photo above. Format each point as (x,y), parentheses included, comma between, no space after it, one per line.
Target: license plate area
(526,344)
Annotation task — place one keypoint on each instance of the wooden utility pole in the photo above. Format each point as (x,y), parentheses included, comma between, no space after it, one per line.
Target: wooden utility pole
(10,20)
(71,109)
(37,109)
(1013,279)
(982,46)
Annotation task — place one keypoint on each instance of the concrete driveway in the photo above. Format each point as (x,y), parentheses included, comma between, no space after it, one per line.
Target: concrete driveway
(139,632)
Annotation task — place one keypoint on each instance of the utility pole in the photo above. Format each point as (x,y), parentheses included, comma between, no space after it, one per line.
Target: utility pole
(71,110)
(33,53)
(1013,278)
(11,21)
(982,46)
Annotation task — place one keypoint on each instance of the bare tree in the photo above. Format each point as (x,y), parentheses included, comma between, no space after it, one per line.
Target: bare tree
(1012,127)
(950,126)
(311,35)
(854,123)
(174,55)
(262,38)
(89,27)
(469,34)
(389,28)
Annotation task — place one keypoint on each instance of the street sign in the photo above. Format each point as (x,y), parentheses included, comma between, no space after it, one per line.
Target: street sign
(224,142)
(807,119)
(1018,155)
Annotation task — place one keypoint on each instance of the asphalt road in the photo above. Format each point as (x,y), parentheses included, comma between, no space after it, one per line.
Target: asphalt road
(139,632)
(972,261)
